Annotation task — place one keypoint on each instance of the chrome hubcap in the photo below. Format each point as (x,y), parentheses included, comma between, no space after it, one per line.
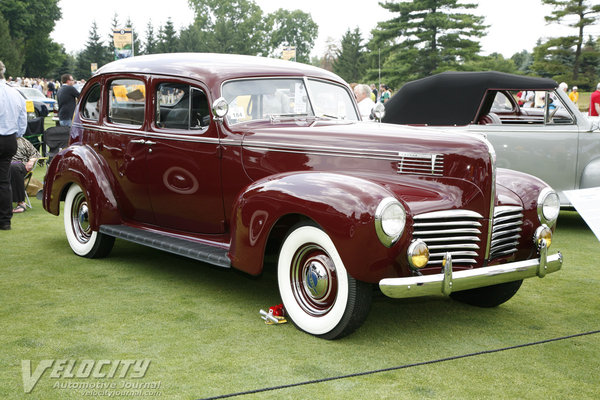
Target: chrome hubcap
(314,280)
(80,219)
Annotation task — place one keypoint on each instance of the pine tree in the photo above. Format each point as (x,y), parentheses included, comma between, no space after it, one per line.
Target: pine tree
(95,52)
(150,43)
(350,62)
(586,15)
(425,36)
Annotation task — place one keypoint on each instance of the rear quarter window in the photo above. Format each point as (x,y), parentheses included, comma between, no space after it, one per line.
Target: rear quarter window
(126,102)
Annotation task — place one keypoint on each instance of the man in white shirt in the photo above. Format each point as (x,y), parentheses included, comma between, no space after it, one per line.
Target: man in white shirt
(363,98)
(13,123)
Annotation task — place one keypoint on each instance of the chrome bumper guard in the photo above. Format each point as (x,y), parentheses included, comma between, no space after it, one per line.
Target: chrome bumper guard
(449,281)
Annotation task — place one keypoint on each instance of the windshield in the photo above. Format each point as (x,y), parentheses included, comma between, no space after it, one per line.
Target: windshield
(286,98)
(31,93)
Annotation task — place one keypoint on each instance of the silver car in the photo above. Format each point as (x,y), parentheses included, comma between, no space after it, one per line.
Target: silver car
(533,126)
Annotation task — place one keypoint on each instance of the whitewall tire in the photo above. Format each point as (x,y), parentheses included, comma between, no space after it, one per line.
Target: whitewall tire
(83,240)
(318,294)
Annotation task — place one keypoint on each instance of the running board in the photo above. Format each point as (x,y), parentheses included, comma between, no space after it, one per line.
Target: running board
(197,251)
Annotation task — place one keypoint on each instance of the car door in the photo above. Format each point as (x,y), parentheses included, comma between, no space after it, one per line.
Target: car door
(119,142)
(183,160)
(539,145)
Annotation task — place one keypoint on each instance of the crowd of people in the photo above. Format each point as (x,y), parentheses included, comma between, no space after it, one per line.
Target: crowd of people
(17,155)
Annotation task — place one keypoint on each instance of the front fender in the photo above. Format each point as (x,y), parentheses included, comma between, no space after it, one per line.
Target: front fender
(78,164)
(343,206)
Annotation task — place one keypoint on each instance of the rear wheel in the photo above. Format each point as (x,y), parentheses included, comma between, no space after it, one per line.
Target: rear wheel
(319,296)
(83,240)
(488,296)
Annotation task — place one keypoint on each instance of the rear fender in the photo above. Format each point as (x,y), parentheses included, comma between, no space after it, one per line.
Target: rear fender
(343,206)
(78,164)
(590,177)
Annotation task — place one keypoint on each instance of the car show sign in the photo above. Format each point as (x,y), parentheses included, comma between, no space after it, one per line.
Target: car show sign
(123,41)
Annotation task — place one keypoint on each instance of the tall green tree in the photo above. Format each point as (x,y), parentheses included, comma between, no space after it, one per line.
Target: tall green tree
(9,51)
(95,52)
(350,62)
(523,61)
(150,41)
(30,24)
(425,36)
(111,37)
(292,28)
(235,26)
(167,38)
(586,14)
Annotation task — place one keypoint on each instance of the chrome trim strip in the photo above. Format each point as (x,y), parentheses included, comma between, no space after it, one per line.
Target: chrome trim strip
(156,135)
(449,214)
(427,285)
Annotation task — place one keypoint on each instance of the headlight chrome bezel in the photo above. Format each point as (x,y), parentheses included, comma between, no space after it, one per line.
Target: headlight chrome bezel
(546,199)
(384,210)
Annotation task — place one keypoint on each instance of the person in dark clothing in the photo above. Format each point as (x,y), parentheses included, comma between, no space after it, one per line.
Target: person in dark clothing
(22,162)
(67,98)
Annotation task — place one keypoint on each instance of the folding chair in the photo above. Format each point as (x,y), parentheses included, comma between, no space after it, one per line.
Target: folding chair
(56,138)
(28,177)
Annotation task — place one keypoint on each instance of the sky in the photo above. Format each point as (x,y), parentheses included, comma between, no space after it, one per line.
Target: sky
(515,25)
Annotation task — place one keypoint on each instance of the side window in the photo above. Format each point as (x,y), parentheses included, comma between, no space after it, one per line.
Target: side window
(501,104)
(127,98)
(179,106)
(90,106)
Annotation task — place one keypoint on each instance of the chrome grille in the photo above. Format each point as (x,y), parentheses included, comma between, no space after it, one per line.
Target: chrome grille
(455,231)
(506,230)
(421,164)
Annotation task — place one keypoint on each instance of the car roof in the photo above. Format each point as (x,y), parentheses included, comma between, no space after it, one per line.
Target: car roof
(212,66)
(453,98)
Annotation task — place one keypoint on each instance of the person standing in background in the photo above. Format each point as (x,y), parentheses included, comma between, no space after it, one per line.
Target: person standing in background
(595,102)
(67,98)
(13,123)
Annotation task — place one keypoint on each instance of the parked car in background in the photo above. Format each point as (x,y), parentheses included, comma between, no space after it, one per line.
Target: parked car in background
(37,97)
(233,159)
(549,138)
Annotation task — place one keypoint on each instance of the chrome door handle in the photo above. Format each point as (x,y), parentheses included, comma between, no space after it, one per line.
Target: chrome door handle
(138,141)
(150,143)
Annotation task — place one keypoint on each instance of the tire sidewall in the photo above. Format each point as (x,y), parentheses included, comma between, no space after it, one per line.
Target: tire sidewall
(78,247)
(308,323)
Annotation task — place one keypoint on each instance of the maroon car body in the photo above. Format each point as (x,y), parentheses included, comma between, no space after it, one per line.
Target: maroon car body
(343,203)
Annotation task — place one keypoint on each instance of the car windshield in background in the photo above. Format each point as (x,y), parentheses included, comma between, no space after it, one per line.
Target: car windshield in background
(280,99)
(31,93)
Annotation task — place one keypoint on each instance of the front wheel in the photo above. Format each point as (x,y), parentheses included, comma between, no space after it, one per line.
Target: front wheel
(83,240)
(318,294)
(488,296)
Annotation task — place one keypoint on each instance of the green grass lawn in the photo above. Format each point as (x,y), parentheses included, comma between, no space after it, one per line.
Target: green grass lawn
(201,329)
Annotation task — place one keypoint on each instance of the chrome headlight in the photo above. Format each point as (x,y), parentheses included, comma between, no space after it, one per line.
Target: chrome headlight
(548,206)
(390,219)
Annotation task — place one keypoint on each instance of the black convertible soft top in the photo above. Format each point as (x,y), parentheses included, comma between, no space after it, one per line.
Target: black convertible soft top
(454,98)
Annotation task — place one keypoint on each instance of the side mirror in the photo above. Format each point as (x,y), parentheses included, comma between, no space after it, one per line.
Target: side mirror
(220,108)
(378,111)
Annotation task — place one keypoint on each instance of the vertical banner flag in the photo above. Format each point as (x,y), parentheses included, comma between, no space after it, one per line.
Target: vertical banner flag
(289,53)
(93,68)
(123,39)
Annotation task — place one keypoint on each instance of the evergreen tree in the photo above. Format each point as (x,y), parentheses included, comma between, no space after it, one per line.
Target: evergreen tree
(111,37)
(350,62)
(586,15)
(167,38)
(95,52)
(150,41)
(426,36)
(523,61)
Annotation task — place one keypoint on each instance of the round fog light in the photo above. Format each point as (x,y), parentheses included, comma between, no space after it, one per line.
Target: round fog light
(543,233)
(418,254)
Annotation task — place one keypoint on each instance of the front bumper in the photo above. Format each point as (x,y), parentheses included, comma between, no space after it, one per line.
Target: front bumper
(449,281)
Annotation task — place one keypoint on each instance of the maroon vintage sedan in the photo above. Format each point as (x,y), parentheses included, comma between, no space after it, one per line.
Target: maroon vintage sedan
(228,159)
